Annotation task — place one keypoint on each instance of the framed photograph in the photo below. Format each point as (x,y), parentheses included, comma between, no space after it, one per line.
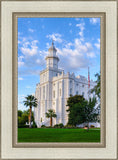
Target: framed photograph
(59,80)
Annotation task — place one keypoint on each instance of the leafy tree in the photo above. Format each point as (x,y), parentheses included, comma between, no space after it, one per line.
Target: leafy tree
(74,99)
(76,109)
(96,89)
(76,114)
(81,110)
(20,113)
(50,114)
(30,102)
(24,118)
(90,112)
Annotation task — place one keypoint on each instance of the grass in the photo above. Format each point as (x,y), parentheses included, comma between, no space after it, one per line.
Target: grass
(58,135)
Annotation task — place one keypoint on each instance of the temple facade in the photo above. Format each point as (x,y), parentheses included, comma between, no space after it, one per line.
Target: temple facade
(54,89)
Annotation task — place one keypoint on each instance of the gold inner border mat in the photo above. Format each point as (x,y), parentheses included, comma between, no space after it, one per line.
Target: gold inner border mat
(17,15)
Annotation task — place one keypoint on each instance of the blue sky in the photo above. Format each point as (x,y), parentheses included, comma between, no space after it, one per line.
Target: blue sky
(78,46)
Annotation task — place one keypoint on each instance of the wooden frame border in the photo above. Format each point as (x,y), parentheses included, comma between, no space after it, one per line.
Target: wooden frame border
(103,80)
(15,79)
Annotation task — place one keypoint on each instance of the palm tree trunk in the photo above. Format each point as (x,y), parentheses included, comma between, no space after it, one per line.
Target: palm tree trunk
(30,115)
(51,121)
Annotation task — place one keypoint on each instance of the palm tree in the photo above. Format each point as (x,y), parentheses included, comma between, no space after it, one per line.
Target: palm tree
(50,115)
(30,102)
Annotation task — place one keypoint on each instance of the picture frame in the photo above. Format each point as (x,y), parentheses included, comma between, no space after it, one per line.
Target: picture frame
(11,10)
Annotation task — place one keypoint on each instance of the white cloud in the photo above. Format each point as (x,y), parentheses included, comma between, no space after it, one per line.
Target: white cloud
(20,78)
(97,44)
(47,45)
(28,87)
(21,98)
(56,37)
(81,28)
(30,48)
(20,61)
(91,54)
(73,55)
(32,57)
(29,71)
(76,55)
(20,33)
(19,42)
(77,19)
(20,64)
(68,45)
(70,24)
(31,30)
(94,20)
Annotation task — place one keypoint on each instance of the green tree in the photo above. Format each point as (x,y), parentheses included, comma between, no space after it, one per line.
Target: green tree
(81,110)
(30,102)
(76,109)
(74,99)
(50,114)
(24,117)
(96,89)
(20,113)
(90,112)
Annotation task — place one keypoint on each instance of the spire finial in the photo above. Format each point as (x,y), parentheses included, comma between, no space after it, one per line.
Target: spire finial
(52,42)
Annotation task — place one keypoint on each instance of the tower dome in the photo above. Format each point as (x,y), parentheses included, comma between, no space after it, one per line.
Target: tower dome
(52,48)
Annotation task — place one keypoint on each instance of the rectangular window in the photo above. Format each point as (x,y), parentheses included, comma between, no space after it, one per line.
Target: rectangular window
(76,92)
(71,91)
(43,92)
(54,94)
(83,94)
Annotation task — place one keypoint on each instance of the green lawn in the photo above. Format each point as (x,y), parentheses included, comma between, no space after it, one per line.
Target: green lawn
(58,135)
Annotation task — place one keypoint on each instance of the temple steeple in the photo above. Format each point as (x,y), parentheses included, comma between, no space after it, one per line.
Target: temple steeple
(52,59)
(52,50)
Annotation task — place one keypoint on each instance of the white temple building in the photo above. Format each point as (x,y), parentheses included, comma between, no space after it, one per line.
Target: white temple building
(54,89)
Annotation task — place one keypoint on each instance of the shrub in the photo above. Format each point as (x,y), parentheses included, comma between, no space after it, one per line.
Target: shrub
(22,126)
(69,126)
(60,125)
(43,126)
(56,126)
(92,126)
(34,125)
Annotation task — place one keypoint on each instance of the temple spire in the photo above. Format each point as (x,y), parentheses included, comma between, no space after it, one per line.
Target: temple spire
(52,42)
(52,59)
